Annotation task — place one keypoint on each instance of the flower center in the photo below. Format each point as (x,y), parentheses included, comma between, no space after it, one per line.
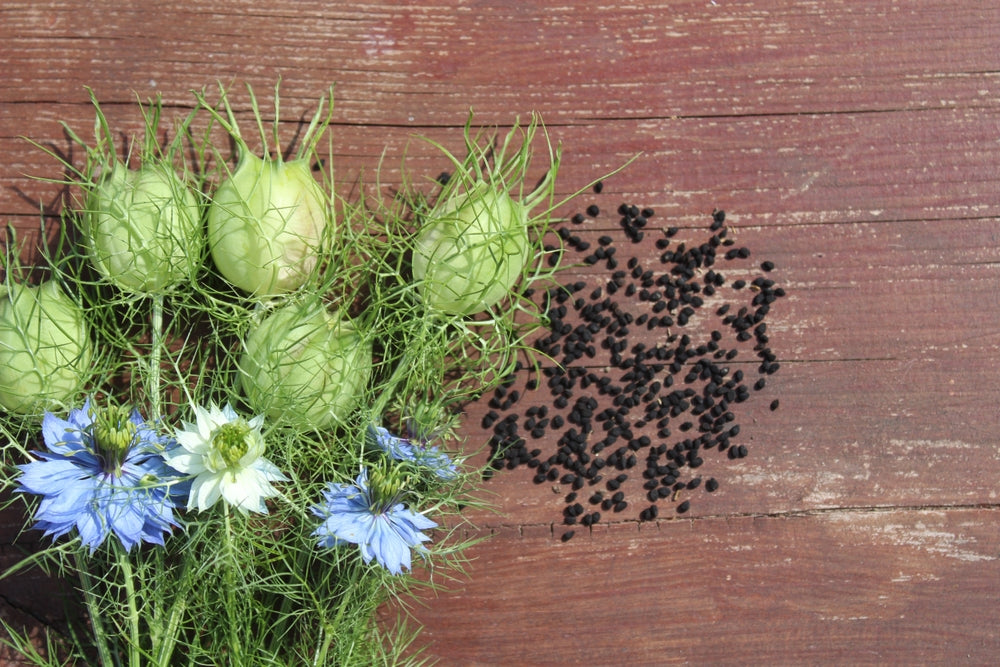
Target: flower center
(230,441)
(114,434)
(384,490)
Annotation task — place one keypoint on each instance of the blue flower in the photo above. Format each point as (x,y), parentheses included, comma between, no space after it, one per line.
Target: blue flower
(372,517)
(103,473)
(414,449)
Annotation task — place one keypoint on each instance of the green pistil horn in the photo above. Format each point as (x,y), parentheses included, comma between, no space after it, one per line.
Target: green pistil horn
(114,433)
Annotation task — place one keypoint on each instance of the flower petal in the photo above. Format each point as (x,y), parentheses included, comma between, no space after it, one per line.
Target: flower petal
(205,491)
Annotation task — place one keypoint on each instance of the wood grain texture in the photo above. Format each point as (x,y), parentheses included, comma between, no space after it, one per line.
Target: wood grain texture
(886,587)
(852,143)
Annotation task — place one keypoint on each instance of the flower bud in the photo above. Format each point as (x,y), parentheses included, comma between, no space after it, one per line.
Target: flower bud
(142,228)
(265,225)
(304,365)
(45,348)
(471,250)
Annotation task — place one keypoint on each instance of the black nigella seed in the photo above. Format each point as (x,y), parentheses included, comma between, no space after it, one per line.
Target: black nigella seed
(568,535)
(598,187)
(767,266)
(774,405)
(593,210)
(637,392)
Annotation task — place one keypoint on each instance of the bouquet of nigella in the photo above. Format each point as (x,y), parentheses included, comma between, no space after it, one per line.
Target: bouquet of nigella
(231,399)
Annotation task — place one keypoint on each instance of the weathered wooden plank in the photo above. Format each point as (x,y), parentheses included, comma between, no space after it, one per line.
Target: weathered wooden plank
(905,586)
(428,62)
(776,170)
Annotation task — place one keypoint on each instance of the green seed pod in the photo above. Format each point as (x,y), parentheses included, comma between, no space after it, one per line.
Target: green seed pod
(265,225)
(305,365)
(142,229)
(45,348)
(471,250)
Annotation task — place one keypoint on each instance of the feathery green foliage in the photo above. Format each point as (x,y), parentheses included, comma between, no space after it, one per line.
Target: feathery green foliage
(236,588)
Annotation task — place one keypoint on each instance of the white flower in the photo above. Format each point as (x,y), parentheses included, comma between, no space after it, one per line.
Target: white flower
(224,453)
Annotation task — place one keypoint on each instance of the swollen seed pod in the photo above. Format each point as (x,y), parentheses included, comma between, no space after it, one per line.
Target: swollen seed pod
(305,365)
(471,250)
(142,229)
(45,348)
(265,224)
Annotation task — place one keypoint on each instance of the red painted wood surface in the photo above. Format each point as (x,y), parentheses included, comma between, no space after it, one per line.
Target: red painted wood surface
(855,144)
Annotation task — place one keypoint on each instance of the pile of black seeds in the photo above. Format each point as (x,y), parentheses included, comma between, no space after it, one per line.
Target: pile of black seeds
(633,423)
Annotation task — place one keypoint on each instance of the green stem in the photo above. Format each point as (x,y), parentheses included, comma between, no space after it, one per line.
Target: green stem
(236,649)
(329,629)
(169,636)
(155,359)
(133,610)
(90,597)
(413,350)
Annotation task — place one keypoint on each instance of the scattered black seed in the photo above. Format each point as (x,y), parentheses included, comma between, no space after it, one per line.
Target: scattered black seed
(568,535)
(609,404)
(774,405)
(598,187)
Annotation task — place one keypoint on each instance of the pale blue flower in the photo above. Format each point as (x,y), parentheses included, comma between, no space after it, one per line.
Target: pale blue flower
(103,474)
(416,450)
(225,454)
(377,522)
